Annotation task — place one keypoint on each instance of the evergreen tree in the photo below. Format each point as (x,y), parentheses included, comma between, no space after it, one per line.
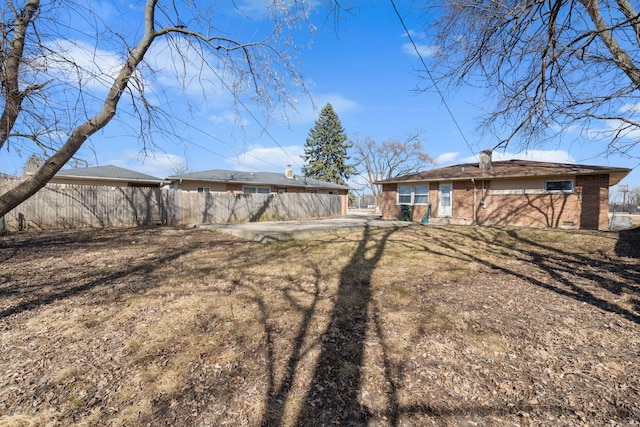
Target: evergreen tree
(325,152)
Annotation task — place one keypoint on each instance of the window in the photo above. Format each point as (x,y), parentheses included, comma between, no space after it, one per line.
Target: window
(282,190)
(312,191)
(256,190)
(565,186)
(420,194)
(404,195)
(335,193)
(204,189)
(413,194)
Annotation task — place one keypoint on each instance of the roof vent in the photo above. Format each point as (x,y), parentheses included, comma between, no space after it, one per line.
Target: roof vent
(485,159)
(288,172)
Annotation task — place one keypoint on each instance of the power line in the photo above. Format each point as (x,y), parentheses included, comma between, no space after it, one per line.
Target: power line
(223,142)
(435,85)
(263,127)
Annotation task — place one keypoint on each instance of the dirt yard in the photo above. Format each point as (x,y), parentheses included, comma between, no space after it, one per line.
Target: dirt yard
(424,325)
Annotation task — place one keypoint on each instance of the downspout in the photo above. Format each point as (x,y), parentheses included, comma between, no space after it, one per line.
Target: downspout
(474,200)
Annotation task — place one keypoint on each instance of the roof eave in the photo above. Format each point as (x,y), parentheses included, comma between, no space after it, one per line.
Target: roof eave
(101,178)
(615,176)
(288,183)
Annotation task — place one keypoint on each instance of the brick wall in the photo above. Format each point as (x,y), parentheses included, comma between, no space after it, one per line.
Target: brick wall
(536,210)
(587,207)
(463,200)
(594,193)
(389,208)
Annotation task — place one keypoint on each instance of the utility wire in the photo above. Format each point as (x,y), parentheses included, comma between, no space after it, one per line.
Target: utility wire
(435,85)
(263,127)
(223,142)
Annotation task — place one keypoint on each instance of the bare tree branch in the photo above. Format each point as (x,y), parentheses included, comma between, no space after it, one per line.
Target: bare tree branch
(390,158)
(37,60)
(549,65)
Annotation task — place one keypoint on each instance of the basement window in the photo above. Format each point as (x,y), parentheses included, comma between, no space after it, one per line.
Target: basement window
(564,186)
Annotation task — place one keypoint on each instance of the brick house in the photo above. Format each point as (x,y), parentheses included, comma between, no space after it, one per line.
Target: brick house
(511,192)
(238,182)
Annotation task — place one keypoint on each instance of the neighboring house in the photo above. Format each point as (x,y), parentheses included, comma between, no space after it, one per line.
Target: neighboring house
(237,182)
(106,175)
(512,192)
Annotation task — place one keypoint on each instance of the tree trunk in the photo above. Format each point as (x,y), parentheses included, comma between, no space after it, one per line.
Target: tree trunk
(13,197)
(11,75)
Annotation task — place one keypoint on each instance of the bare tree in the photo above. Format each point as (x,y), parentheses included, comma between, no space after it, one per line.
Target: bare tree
(552,65)
(52,58)
(633,198)
(390,158)
(33,163)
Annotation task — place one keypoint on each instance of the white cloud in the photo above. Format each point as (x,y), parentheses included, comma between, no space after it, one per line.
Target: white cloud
(228,118)
(557,156)
(253,8)
(180,66)
(630,108)
(422,50)
(269,159)
(160,165)
(79,62)
(446,158)
(616,128)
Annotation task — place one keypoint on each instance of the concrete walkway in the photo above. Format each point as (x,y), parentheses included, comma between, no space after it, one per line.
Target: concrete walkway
(273,231)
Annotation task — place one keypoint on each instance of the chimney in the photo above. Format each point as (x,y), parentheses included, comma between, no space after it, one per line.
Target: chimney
(288,172)
(485,159)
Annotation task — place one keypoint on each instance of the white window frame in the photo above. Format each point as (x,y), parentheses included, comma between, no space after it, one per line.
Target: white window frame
(409,198)
(312,191)
(256,190)
(401,198)
(546,186)
(204,189)
(416,194)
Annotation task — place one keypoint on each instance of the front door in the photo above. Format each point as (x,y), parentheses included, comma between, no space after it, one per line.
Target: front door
(445,196)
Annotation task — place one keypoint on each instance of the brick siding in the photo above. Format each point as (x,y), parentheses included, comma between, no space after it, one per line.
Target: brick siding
(587,207)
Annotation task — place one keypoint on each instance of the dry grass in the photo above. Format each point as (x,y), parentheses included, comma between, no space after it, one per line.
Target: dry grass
(419,326)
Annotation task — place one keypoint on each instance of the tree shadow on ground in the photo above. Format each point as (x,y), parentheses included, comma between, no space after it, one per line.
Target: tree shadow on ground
(628,244)
(571,275)
(18,295)
(277,396)
(332,398)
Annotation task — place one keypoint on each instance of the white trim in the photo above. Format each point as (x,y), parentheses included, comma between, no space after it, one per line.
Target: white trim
(412,194)
(442,212)
(519,191)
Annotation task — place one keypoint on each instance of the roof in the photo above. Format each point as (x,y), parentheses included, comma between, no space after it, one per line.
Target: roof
(256,178)
(510,169)
(109,172)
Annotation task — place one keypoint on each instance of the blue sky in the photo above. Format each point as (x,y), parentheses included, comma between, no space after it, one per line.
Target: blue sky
(366,69)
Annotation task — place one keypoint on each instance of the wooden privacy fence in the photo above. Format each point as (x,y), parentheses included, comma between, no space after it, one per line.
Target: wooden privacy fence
(73,206)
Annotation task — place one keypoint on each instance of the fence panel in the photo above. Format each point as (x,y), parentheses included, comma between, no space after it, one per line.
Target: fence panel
(74,206)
